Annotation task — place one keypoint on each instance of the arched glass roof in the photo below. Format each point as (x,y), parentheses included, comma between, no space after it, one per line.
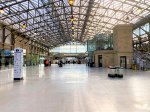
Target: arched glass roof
(49,21)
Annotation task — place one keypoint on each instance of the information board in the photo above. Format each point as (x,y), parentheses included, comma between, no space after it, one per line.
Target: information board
(18,64)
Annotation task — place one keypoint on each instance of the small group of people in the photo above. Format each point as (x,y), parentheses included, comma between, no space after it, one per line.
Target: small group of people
(47,62)
(60,63)
(90,64)
(6,62)
(73,62)
(139,64)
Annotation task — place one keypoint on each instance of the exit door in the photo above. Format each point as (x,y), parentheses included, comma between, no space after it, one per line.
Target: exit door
(123,61)
(100,61)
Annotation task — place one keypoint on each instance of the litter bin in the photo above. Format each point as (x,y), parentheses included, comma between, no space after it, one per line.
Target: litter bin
(112,72)
(116,72)
(119,72)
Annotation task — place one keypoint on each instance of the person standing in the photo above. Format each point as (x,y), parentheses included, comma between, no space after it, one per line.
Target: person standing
(50,62)
(141,65)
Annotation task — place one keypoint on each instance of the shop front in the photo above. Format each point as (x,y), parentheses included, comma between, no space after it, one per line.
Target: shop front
(6,57)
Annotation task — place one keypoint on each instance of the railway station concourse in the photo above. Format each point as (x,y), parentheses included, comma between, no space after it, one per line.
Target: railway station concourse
(89,39)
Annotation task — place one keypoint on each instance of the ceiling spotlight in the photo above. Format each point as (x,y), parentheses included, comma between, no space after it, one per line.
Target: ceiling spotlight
(139,10)
(1,10)
(71,2)
(72,19)
(24,25)
(72,28)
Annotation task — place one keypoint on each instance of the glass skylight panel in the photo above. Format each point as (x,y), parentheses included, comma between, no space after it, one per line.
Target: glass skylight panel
(145,13)
(7,21)
(101,11)
(126,7)
(17,26)
(131,2)
(141,32)
(115,5)
(14,19)
(110,13)
(147,27)
(25,4)
(137,31)
(105,15)
(16,7)
(119,15)
(113,21)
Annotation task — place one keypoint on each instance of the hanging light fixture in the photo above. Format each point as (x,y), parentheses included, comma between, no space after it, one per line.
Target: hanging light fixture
(72,28)
(71,2)
(73,39)
(72,19)
(1,10)
(24,25)
(139,10)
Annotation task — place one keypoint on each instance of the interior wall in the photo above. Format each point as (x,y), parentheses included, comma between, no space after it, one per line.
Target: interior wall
(107,58)
(122,40)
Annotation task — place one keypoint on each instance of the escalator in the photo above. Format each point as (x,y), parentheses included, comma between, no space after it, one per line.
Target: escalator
(142,57)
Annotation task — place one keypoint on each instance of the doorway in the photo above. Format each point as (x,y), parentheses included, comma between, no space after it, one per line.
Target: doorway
(100,61)
(123,61)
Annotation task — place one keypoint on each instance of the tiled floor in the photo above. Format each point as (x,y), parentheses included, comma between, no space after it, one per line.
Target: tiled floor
(74,88)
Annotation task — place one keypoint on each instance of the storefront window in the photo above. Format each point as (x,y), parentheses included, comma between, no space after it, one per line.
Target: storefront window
(101,42)
(7,57)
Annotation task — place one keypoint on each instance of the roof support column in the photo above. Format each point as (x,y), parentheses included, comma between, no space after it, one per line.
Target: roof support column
(88,12)
(149,43)
(3,41)
(122,39)
(12,40)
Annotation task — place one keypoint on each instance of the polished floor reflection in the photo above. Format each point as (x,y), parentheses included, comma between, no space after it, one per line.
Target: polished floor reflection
(74,88)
